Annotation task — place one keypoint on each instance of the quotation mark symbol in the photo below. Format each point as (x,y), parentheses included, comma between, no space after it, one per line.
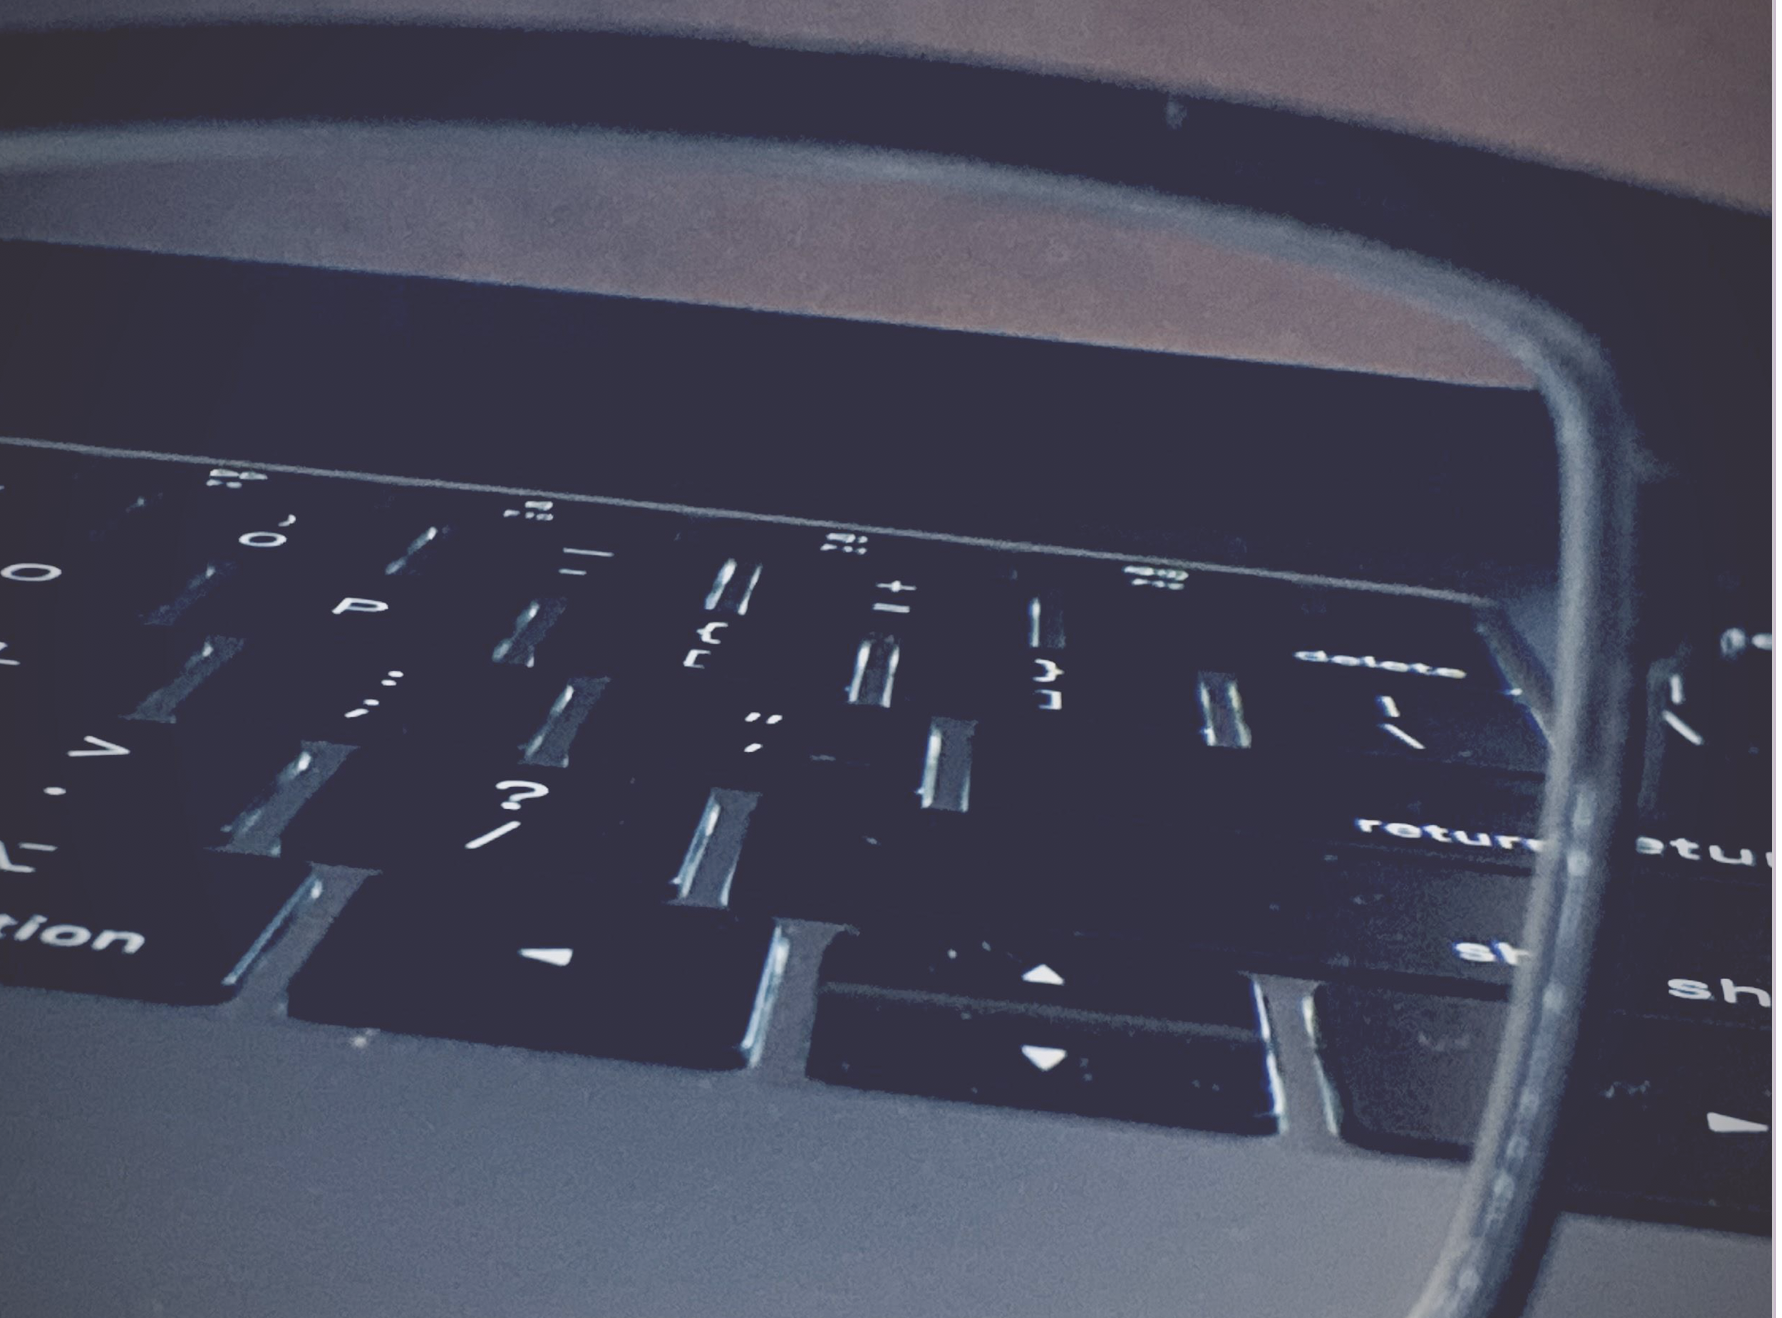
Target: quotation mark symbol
(756,716)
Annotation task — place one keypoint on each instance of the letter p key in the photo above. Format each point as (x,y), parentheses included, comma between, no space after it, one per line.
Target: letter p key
(353,604)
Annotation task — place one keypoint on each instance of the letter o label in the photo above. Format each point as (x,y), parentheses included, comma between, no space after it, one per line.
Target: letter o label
(30,572)
(1404,830)
(64,935)
(262,540)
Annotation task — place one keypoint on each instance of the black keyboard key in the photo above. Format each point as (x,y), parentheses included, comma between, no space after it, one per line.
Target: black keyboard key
(263,560)
(1172,618)
(1677,1115)
(1372,636)
(1719,843)
(757,738)
(1707,726)
(1205,1079)
(175,927)
(136,783)
(1323,712)
(625,838)
(535,966)
(1695,949)
(384,695)
(1409,1072)
(1049,971)
(36,593)
(1444,813)
(1418,919)
(1669,1116)
(802,860)
(1124,877)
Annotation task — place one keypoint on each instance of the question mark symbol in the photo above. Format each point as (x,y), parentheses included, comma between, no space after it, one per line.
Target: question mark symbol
(521,792)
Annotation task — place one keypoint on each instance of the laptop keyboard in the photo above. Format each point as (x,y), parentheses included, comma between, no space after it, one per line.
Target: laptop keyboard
(1061,818)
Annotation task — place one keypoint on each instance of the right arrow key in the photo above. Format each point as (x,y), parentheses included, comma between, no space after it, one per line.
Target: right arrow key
(1676,1125)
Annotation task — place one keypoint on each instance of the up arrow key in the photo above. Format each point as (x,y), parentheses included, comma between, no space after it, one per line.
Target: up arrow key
(1722,1124)
(1044,1058)
(1043,974)
(556,956)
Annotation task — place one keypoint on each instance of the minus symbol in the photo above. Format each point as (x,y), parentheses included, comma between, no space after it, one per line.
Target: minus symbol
(572,572)
(891,608)
(35,846)
(591,553)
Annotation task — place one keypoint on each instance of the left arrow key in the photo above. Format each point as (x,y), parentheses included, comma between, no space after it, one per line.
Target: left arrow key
(534,964)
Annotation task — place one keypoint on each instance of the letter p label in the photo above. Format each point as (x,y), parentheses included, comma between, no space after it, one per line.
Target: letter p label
(353,604)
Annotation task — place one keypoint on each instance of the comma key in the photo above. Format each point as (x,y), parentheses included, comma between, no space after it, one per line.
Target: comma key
(182,930)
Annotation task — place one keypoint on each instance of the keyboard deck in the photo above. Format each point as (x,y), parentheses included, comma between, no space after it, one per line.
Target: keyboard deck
(1048,822)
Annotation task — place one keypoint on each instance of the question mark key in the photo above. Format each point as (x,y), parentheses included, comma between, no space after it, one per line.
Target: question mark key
(396,807)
